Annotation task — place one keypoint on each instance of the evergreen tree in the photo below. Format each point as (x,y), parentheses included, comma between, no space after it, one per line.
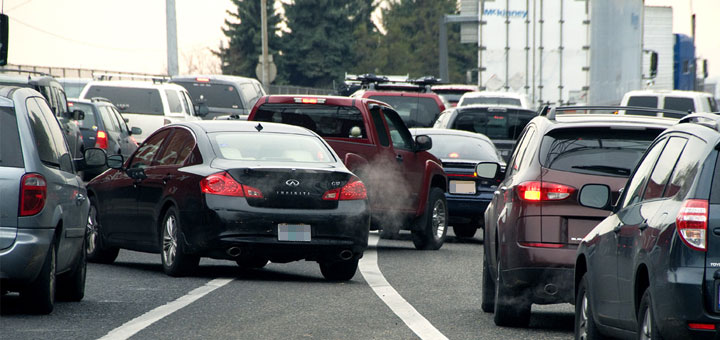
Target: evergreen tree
(243,29)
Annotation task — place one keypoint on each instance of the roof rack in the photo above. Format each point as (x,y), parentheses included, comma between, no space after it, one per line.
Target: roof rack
(19,71)
(156,79)
(710,120)
(551,111)
(398,82)
(100,99)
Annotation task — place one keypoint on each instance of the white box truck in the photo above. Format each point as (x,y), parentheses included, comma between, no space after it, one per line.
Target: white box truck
(561,51)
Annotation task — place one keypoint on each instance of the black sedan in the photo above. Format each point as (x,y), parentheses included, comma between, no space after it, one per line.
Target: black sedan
(468,195)
(244,191)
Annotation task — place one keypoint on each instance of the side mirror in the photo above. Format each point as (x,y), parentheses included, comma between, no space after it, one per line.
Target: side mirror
(202,110)
(423,143)
(78,115)
(488,170)
(127,120)
(595,196)
(94,157)
(115,161)
(135,131)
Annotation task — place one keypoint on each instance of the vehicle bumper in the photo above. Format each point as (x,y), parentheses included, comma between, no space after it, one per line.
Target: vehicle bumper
(464,209)
(541,285)
(232,223)
(21,262)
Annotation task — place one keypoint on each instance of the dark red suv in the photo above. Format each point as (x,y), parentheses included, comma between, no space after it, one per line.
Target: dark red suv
(534,222)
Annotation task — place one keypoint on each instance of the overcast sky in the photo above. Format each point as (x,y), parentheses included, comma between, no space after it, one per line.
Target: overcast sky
(129,35)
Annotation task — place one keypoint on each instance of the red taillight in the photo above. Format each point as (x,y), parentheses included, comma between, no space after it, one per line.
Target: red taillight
(33,191)
(223,184)
(101,140)
(543,191)
(202,80)
(702,326)
(453,155)
(309,100)
(691,223)
(353,190)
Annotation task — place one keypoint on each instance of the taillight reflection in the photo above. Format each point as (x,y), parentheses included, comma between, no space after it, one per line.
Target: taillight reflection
(691,223)
(33,192)
(543,191)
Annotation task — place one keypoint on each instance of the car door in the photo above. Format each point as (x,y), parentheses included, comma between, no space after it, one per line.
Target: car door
(411,165)
(127,146)
(112,129)
(603,262)
(160,176)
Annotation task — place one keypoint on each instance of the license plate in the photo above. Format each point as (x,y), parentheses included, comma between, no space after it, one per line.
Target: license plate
(294,232)
(462,187)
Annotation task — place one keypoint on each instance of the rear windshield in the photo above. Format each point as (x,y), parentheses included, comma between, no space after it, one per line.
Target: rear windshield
(414,111)
(465,148)
(271,147)
(491,101)
(325,120)
(595,151)
(680,104)
(89,121)
(214,95)
(10,151)
(129,99)
(496,123)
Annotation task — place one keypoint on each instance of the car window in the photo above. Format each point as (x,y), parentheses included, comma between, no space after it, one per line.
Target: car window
(49,137)
(129,99)
(679,104)
(177,149)
(642,101)
(520,149)
(686,169)
(496,123)
(214,95)
(601,151)
(88,122)
(119,118)
(108,119)
(174,102)
(712,104)
(61,101)
(379,126)
(665,164)
(463,147)
(9,139)
(491,101)
(146,152)
(325,120)
(187,103)
(637,182)
(271,147)
(399,134)
(414,111)
(250,93)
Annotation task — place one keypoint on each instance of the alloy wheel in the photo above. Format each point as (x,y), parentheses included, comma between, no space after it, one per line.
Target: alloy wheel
(91,231)
(646,331)
(170,240)
(438,218)
(582,327)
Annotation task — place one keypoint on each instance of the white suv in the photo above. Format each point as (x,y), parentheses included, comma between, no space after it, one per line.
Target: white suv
(683,101)
(495,98)
(144,104)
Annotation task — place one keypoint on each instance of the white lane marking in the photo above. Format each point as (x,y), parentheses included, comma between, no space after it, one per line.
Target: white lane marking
(133,326)
(407,313)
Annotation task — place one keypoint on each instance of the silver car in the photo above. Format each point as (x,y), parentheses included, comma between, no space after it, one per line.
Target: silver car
(44,210)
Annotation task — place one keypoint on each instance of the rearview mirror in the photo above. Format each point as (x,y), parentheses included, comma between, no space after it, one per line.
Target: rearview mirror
(423,143)
(595,196)
(94,157)
(135,131)
(487,170)
(78,115)
(115,161)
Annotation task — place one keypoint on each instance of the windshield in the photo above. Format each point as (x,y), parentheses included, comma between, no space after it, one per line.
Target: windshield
(215,95)
(491,101)
(129,99)
(272,147)
(496,123)
(595,151)
(462,147)
(325,120)
(414,111)
(88,122)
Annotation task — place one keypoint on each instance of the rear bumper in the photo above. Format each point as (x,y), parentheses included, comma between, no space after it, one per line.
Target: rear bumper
(21,262)
(541,285)
(464,209)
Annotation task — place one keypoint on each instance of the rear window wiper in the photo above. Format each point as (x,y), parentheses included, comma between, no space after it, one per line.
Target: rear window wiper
(604,168)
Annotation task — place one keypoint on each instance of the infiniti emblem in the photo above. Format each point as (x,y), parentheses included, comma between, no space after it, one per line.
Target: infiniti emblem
(292,182)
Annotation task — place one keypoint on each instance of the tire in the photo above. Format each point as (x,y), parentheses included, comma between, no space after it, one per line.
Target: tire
(647,324)
(175,261)
(71,286)
(585,327)
(94,248)
(39,296)
(511,310)
(465,230)
(251,262)
(431,228)
(339,270)
(488,290)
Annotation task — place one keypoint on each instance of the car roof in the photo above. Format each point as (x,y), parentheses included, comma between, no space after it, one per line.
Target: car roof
(677,93)
(448,132)
(214,77)
(210,126)
(455,87)
(134,84)
(595,120)
(28,79)
(480,94)
(488,106)
(329,100)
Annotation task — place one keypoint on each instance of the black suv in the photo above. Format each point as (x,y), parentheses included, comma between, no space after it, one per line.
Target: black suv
(54,93)
(227,97)
(653,266)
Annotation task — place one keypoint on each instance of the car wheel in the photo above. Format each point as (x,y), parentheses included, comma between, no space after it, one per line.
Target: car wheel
(647,325)
(251,262)
(94,248)
(511,310)
(40,294)
(465,230)
(585,327)
(339,270)
(488,290)
(431,228)
(175,261)
(71,286)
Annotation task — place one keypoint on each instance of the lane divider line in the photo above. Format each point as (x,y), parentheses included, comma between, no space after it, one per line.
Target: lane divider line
(404,310)
(135,325)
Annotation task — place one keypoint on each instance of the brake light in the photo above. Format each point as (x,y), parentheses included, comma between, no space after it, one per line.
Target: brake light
(543,191)
(223,184)
(691,223)
(202,80)
(309,100)
(453,155)
(33,191)
(353,190)
(702,326)
(101,140)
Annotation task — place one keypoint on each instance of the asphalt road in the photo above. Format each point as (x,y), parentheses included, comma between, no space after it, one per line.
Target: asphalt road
(282,301)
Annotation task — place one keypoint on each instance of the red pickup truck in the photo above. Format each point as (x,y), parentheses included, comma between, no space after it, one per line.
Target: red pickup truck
(406,184)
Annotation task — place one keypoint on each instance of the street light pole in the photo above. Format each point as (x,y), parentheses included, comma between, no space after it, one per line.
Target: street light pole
(265,62)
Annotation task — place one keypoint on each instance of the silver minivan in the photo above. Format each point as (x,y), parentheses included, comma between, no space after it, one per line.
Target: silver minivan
(44,211)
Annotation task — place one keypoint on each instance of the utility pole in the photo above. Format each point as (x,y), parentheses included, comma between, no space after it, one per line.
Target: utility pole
(265,62)
(172,49)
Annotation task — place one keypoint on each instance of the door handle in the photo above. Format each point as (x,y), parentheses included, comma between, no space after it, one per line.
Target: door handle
(399,158)
(79,199)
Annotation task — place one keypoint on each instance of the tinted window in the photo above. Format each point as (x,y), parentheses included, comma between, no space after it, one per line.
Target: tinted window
(89,121)
(687,167)
(176,106)
(643,101)
(414,111)
(129,99)
(215,95)
(460,147)
(10,154)
(595,151)
(272,147)
(325,120)
(380,126)
(108,119)
(399,134)
(146,152)
(496,123)
(712,104)
(665,165)
(520,149)
(491,101)
(679,104)
(61,101)
(41,132)
(119,118)
(637,183)
(177,149)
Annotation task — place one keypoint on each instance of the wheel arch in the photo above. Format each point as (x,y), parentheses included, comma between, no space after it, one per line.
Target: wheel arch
(580,270)
(642,282)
